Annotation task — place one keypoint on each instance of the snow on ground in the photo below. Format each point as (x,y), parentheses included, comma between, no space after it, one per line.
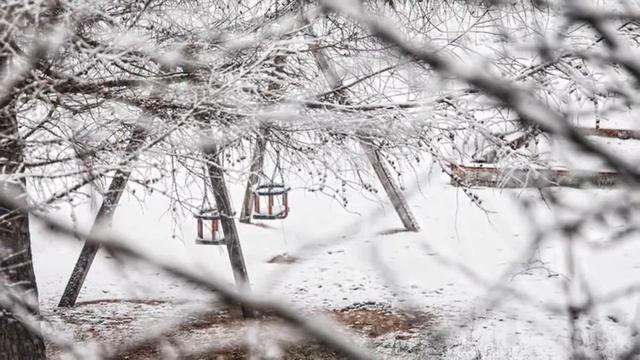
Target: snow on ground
(355,256)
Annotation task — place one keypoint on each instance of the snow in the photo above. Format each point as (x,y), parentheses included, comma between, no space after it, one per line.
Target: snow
(357,255)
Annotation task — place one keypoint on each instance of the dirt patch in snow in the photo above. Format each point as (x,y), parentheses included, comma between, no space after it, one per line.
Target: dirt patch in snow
(377,322)
(283,259)
(370,320)
(308,351)
(121,301)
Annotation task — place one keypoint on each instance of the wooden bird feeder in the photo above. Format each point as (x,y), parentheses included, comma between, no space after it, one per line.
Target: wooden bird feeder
(214,236)
(271,202)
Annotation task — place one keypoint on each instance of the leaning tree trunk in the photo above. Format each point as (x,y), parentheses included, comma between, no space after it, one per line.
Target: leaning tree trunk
(103,219)
(106,212)
(257,163)
(231,237)
(373,154)
(17,341)
(274,93)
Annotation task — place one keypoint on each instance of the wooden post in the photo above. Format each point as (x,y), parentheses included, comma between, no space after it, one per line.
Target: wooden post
(231,238)
(257,163)
(373,155)
(103,220)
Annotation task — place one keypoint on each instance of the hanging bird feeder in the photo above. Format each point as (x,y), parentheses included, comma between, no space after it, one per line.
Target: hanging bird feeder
(208,227)
(271,202)
(213,234)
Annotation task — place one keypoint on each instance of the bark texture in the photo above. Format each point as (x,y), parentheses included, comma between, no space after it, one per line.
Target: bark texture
(17,342)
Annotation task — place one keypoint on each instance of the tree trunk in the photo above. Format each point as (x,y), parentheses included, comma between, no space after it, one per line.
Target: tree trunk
(17,342)
(274,92)
(373,155)
(390,187)
(102,221)
(257,163)
(231,238)
(520,178)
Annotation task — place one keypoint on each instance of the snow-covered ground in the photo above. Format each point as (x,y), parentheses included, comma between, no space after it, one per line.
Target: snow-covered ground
(355,255)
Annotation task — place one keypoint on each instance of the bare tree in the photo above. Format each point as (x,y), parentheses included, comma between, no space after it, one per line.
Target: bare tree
(302,88)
